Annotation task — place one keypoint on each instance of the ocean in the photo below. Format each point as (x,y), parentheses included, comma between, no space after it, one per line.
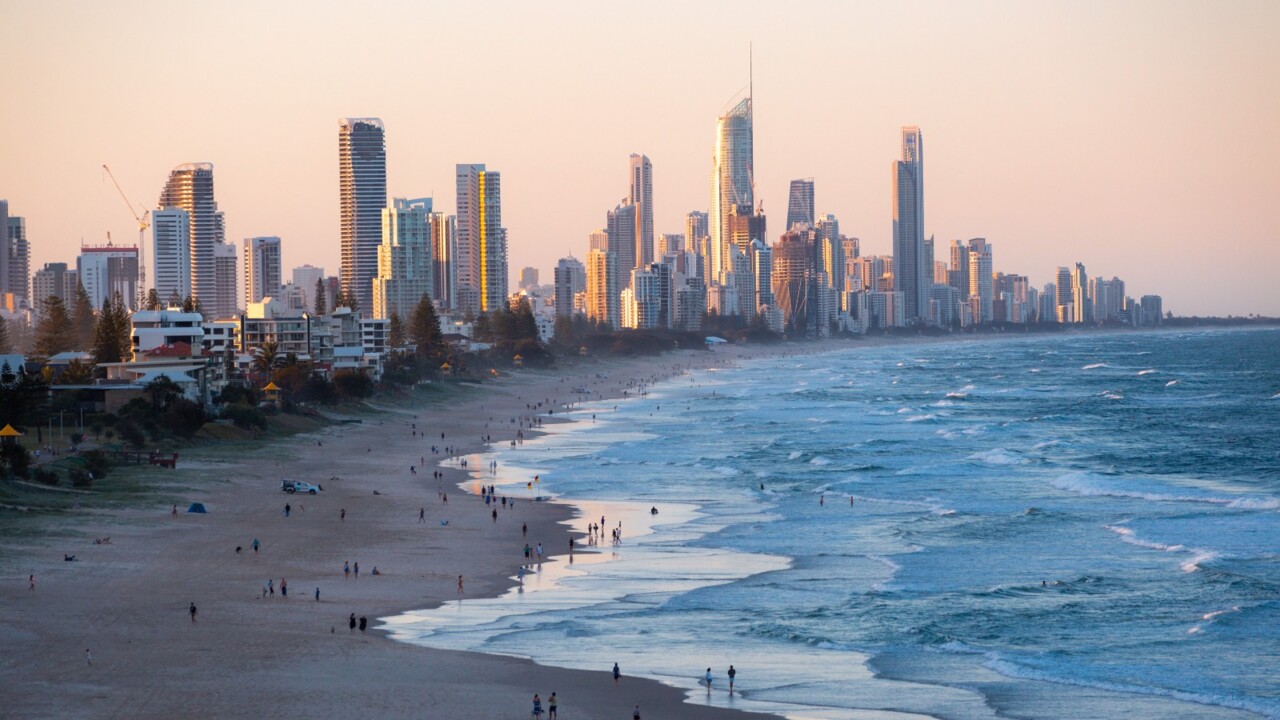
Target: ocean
(1080,525)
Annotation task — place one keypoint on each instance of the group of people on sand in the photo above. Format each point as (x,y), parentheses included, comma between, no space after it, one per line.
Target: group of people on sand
(552,703)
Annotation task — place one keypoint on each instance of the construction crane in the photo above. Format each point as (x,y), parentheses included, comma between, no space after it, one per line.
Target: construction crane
(143,224)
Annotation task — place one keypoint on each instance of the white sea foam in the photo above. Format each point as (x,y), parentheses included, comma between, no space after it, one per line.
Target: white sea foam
(998,456)
(1148,371)
(1171,383)
(1198,555)
(794,455)
(922,418)
(1089,486)
(726,471)
(820,461)
(1209,617)
(1094,366)
(998,663)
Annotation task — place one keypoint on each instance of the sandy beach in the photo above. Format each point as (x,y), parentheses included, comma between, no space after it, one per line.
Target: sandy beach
(111,635)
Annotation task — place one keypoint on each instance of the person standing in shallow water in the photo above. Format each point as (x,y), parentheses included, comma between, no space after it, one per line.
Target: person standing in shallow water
(616,674)
(732,674)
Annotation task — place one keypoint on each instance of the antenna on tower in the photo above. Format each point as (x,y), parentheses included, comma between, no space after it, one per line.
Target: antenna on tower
(751,77)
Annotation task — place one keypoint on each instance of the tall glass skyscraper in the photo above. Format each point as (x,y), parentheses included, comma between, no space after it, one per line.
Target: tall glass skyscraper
(190,188)
(731,181)
(362,178)
(800,203)
(910,277)
(642,197)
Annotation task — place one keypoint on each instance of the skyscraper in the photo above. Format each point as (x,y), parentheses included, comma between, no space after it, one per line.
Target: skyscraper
(190,188)
(17,256)
(695,230)
(528,278)
(792,278)
(106,270)
(262,274)
(404,258)
(171,253)
(910,276)
(642,198)
(226,262)
(571,279)
(603,291)
(1080,300)
(732,182)
(53,280)
(981,290)
(444,255)
(482,241)
(621,227)
(362,179)
(800,203)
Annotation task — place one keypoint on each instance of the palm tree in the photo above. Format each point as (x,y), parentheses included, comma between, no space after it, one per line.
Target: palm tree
(268,357)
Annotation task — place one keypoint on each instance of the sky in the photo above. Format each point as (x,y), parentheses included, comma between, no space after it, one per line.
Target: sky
(1139,138)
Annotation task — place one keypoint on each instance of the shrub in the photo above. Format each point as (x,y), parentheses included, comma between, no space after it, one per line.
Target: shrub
(45,477)
(353,385)
(97,462)
(80,478)
(245,417)
(15,458)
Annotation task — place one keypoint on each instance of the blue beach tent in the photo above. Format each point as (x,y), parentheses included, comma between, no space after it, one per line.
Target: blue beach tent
(197,508)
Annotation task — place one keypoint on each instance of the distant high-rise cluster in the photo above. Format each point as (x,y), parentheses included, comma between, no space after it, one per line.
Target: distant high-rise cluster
(723,272)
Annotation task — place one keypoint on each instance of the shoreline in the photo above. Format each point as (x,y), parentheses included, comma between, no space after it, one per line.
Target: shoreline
(126,601)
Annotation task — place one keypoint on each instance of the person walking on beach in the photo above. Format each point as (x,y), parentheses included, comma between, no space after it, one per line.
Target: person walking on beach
(255,546)
(342,514)
(351,623)
(551,706)
(524,529)
(732,674)
(346,570)
(355,569)
(617,674)
(284,588)
(31,580)
(635,714)
(422,515)
(708,679)
(287,509)
(193,612)
(317,594)
(537,707)
(364,623)
(459,584)
(88,657)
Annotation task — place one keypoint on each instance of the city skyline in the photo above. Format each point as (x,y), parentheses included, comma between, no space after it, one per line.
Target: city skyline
(1029,154)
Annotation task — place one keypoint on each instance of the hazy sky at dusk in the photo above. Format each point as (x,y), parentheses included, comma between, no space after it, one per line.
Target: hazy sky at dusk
(1141,138)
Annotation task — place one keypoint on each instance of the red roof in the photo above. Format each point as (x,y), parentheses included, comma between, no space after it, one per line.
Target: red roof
(178,349)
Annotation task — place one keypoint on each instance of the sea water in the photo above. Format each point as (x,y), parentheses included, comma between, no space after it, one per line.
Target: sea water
(1081,525)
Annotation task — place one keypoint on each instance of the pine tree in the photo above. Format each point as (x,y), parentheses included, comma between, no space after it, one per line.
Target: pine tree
(396,330)
(153,300)
(112,341)
(526,327)
(83,319)
(124,327)
(424,329)
(54,333)
(189,304)
(175,300)
(321,307)
(6,344)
